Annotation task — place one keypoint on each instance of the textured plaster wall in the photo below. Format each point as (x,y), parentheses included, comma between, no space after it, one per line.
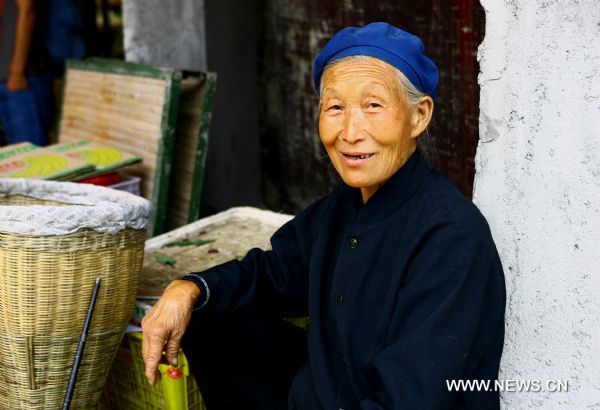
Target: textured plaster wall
(538,183)
(170,34)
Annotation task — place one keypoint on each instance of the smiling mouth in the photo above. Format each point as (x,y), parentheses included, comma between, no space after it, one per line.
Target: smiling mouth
(358,156)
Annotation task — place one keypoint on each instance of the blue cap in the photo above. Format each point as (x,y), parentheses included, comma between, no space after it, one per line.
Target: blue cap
(397,47)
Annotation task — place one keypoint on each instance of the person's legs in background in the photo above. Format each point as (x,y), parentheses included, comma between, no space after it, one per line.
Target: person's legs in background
(26,114)
(43,90)
(244,361)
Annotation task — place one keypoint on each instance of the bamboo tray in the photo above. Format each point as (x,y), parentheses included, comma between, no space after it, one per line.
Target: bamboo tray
(231,234)
(131,107)
(189,153)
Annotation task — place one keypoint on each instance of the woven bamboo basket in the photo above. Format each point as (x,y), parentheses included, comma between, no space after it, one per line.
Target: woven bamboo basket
(55,239)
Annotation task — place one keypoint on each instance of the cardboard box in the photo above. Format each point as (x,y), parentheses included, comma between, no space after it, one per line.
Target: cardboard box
(103,157)
(26,160)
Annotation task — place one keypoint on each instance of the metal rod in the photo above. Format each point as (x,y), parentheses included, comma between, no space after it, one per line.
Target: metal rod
(79,354)
(30,363)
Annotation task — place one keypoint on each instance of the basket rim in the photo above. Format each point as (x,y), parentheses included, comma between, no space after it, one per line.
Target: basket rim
(85,206)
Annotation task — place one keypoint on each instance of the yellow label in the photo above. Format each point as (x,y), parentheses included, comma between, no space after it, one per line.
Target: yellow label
(42,166)
(100,156)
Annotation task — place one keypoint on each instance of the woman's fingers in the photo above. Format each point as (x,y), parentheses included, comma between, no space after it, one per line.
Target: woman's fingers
(165,324)
(172,350)
(152,347)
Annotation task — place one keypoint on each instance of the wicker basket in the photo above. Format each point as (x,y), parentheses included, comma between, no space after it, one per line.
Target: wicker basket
(47,272)
(127,387)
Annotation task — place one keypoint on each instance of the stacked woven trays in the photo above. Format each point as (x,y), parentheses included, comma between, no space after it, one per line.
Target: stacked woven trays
(55,239)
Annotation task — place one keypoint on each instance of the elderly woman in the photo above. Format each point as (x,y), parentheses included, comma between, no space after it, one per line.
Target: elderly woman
(397,270)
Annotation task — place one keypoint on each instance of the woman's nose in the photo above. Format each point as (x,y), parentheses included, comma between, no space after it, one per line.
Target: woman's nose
(353,129)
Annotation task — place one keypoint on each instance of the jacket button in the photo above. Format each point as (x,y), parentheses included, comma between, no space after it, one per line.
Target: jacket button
(340,300)
(353,243)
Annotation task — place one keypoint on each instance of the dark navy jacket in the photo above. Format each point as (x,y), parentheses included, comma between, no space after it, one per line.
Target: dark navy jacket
(404,293)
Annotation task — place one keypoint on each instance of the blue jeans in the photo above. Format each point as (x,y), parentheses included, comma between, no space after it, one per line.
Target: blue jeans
(26,114)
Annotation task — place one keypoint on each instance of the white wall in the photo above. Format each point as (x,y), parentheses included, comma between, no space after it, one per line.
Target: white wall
(165,33)
(538,183)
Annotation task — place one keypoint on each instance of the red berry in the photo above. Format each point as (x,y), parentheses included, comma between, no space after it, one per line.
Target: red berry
(174,373)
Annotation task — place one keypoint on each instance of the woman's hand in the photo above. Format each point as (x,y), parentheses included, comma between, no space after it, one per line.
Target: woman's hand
(16,82)
(165,325)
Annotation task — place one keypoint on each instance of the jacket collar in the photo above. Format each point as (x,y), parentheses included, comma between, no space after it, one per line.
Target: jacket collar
(390,196)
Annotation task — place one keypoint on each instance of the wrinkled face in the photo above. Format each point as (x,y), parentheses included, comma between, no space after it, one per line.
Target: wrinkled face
(365,122)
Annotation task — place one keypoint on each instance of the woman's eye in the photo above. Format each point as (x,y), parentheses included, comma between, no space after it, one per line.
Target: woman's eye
(374,105)
(334,107)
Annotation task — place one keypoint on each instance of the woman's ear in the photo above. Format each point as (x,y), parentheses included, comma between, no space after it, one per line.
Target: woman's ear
(421,116)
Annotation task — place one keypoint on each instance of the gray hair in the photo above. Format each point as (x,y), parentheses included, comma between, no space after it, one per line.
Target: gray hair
(410,91)
(412,94)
